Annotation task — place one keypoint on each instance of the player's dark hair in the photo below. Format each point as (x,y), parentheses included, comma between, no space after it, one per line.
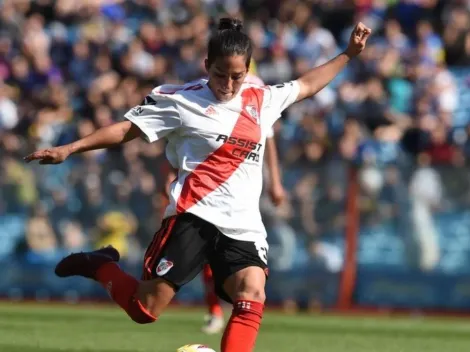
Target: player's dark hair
(229,40)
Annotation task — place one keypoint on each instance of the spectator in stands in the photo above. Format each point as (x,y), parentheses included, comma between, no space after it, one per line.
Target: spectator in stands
(457,36)
(426,197)
(73,238)
(114,227)
(41,241)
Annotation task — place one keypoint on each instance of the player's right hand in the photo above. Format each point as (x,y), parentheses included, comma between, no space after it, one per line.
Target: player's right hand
(54,155)
(358,39)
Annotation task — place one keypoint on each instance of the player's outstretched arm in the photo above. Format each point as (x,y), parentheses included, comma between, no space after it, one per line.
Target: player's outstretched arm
(319,77)
(105,137)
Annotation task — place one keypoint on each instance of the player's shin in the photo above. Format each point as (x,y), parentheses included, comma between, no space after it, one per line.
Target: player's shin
(122,288)
(242,329)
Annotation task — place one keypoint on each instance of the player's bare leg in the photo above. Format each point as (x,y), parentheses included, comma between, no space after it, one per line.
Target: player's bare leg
(246,289)
(215,319)
(143,301)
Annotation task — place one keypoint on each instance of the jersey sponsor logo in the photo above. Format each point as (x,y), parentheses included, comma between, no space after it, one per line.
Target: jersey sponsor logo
(246,149)
(164,266)
(244,143)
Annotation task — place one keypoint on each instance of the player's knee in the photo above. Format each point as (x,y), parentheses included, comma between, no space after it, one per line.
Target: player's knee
(247,284)
(251,293)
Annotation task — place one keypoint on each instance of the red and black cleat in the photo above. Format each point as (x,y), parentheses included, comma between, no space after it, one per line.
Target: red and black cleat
(86,264)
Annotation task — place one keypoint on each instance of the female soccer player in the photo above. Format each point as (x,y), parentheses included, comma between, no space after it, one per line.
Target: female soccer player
(214,321)
(216,131)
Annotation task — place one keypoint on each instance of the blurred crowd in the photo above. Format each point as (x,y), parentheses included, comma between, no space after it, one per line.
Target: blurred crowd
(399,113)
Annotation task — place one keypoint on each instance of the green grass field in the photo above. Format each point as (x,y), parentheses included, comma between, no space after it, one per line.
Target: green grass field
(43,328)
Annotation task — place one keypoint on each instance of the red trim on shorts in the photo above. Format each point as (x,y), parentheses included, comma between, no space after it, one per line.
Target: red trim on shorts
(156,246)
(221,164)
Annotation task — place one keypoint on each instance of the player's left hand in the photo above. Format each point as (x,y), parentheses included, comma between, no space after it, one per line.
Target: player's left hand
(277,194)
(49,156)
(358,40)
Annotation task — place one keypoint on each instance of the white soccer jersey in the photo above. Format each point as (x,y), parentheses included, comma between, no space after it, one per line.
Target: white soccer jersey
(217,148)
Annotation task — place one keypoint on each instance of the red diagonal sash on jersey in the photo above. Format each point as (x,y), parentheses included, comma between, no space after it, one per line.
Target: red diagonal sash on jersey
(221,164)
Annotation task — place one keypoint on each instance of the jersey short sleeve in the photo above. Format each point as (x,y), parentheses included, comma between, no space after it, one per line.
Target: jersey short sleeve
(278,98)
(156,117)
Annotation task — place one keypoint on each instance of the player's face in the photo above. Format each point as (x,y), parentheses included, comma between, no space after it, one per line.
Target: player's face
(226,75)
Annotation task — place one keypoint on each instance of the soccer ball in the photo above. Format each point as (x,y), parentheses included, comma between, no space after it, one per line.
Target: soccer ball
(194,348)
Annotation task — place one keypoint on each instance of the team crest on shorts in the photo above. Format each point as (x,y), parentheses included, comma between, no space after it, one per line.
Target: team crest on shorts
(253,112)
(164,267)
